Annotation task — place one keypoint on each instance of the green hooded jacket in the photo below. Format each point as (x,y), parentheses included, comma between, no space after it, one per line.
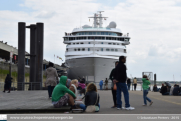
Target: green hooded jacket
(60,90)
(145,83)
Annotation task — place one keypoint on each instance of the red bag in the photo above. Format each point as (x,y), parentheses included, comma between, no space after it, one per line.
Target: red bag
(114,87)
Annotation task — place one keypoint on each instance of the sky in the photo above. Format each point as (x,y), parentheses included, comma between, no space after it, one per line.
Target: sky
(153,25)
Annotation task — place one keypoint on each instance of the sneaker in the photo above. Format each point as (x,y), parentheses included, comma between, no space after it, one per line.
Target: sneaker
(151,103)
(130,108)
(144,105)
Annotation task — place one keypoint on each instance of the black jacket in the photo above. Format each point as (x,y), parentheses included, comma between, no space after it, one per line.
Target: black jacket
(163,89)
(111,76)
(128,81)
(91,97)
(176,90)
(120,73)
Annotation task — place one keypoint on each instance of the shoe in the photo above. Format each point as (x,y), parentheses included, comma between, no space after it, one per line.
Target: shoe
(8,92)
(130,108)
(113,107)
(151,103)
(121,108)
(50,97)
(144,105)
(4,91)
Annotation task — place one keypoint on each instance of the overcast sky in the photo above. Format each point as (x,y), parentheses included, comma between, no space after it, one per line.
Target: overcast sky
(153,25)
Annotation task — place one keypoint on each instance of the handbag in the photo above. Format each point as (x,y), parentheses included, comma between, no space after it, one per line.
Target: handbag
(114,87)
(92,108)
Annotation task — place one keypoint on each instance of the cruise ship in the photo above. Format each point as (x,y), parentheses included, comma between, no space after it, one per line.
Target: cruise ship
(92,51)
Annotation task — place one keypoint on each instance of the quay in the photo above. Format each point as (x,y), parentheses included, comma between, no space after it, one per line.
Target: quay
(38,102)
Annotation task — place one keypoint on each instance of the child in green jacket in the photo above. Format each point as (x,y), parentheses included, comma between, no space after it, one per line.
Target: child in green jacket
(145,86)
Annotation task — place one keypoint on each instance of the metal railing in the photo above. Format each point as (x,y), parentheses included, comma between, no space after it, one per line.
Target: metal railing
(24,86)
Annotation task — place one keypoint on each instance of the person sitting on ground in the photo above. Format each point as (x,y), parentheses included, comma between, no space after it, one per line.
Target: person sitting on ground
(155,89)
(68,84)
(82,86)
(176,90)
(171,90)
(73,88)
(164,90)
(91,97)
(60,96)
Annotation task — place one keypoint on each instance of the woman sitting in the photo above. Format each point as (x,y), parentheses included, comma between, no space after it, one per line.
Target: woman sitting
(60,96)
(91,97)
(73,88)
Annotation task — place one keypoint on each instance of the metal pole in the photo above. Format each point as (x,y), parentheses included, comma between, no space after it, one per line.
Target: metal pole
(39,56)
(21,52)
(33,49)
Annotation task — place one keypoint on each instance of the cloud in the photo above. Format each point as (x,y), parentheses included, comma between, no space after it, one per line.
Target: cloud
(154,27)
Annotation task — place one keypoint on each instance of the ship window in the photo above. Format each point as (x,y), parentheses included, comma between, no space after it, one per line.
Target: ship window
(82,33)
(126,39)
(79,49)
(101,49)
(107,49)
(106,33)
(94,33)
(98,33)
(88,49)
(90,33)
(117,43)
(67,49)
(86,33)
(83,49)
(124,50)
(114,43)
(116,50)
(89,43)
(102,43)
(112,49)
(102,33)
(81,43)
(103,38)
(109,43)
(75,49)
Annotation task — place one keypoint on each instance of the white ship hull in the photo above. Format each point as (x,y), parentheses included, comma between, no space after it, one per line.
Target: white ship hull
(93,69)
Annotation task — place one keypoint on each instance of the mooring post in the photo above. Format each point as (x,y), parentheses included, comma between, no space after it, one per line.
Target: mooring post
(33,54)
(21,53)
(39,53)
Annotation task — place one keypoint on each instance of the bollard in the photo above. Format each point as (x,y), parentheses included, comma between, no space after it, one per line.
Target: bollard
(21,53)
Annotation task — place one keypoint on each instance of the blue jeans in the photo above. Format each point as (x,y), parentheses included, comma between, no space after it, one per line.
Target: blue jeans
(122,87)
(166,93)
(82,106)
(100,87)
(145,92)
(128,86)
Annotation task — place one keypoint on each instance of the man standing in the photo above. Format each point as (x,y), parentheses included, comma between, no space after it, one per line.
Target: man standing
(135,83)
(100,84)
(111,77)
(106,84)
(120,77)
(128,83)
